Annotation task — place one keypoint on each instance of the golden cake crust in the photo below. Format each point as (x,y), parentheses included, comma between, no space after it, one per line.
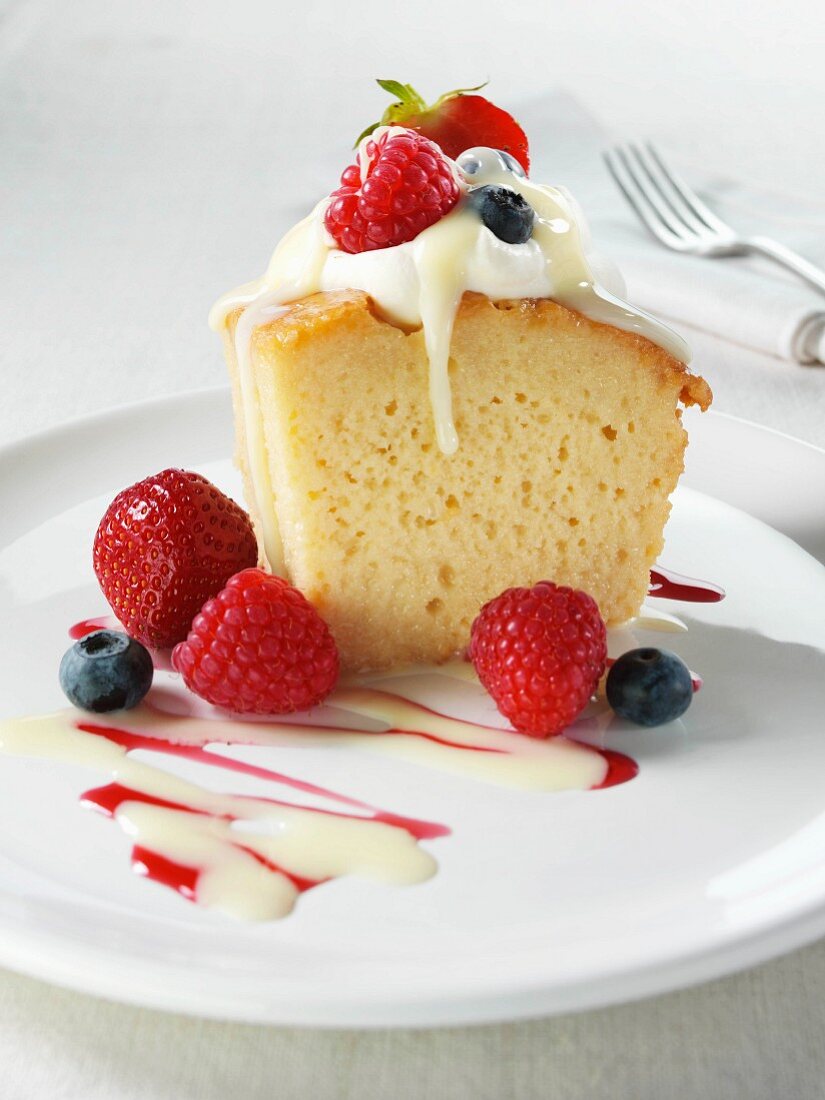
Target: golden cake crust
(570,445)
(306,318)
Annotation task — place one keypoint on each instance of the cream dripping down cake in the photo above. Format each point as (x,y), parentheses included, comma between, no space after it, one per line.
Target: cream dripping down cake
(439,393)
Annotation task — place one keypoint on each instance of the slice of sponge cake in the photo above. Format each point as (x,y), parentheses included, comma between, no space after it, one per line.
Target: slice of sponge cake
(570,446)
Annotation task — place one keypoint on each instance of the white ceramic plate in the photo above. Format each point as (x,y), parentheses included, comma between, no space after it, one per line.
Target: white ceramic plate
(712,859)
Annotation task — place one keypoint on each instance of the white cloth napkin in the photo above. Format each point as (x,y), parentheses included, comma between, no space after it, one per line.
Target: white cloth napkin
(748,301)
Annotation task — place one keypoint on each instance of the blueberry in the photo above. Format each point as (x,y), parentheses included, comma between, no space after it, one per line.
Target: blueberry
(469,163)
(511,164)
(505,213)
(105,671)
(474,161)
(649,686)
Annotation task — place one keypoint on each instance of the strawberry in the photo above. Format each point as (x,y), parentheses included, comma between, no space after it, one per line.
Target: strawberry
(164,546)
(456,121)
(408,186)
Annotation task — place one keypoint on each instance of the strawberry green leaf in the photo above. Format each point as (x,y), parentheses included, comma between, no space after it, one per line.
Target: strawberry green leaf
(365,133)
(458,91)
(404,93)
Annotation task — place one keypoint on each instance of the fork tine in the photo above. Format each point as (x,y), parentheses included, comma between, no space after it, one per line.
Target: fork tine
(687,194)
(655,180)
(638,199)
(637,168)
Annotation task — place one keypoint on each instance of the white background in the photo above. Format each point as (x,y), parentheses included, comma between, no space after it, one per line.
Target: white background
(150,154)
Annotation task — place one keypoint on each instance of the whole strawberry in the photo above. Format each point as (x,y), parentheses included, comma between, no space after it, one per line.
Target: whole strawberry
(259,647)
(540,652)
(456,121)
(164,546)
(408,186)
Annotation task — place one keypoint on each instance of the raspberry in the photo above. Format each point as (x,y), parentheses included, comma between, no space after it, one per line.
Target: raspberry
(540,652)
(259,647)
(409,185)
(164,546)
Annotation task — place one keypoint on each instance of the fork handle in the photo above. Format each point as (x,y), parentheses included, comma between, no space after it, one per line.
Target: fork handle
(789,259)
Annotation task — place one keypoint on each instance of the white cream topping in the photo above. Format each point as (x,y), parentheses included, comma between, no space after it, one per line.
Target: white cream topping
(421,283)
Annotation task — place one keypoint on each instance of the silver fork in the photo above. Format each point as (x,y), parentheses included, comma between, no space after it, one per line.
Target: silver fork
(677,217)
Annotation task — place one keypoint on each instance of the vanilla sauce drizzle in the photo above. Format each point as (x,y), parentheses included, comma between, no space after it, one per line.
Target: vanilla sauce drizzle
(252,856)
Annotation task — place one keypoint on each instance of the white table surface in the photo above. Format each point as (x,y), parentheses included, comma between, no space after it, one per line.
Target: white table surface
(148,159)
